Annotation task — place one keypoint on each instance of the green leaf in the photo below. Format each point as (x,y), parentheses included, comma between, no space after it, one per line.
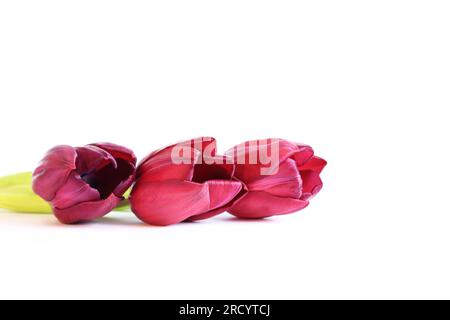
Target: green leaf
(23,178)
(123,206)
(22,202)
(16,195)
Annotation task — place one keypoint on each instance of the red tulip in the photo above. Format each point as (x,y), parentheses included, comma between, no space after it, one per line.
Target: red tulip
(84,183)
(185,181)
(293,180)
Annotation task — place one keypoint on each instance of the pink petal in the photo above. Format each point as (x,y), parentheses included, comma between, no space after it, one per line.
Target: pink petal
(87,211)
(73,192)
(315,164)
(160,167)
(312,184)
(126,166)
(206,145)
(202,143)
(118,152)
(53,171)
(213,168)
(221,193)
(303,154)
(209,214)
(286,183)
(176,161)
(249,156)
(259,204)
(127,176)
(167,202)
(91,158)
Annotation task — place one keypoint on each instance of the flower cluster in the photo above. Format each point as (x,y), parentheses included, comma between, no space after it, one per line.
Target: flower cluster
(187,181)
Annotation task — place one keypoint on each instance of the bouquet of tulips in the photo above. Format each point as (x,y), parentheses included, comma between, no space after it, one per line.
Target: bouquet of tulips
(186,181)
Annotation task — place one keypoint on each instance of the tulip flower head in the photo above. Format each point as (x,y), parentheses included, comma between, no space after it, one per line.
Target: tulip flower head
(185,181)
(84,183)
(283,188)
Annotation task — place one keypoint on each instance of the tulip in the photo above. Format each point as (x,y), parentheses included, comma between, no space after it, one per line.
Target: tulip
(290,186)
(185,181)
(84,183)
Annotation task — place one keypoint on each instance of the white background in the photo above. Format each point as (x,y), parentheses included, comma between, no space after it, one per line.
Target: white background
(366,83)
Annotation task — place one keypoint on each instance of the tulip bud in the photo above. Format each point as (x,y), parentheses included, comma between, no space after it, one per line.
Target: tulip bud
(185,181)
(84,183)
(292,181)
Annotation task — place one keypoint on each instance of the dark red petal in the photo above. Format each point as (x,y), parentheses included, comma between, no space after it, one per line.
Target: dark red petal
(161,167)
(118,152)
(127,175)
(126,166)
(209,214)
(214,168)
(73,192)
(105,172)
(221,193)
(167,202)
(91,158)
(303,155)
(259,204)
(206,145)
(312,184)
(87,211)
(285,183)
(314,164)
(252,157)
(53,171)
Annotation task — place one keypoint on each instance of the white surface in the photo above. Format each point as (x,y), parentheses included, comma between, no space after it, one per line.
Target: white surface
(364,82)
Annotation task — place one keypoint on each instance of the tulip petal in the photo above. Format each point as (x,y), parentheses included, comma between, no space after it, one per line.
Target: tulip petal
(87,211)
(126,167)
(200,144)
(221,193)
(126,174)
(213,168)
(206,145)
(248,156)
(259,204)
(118,152)
(161,166)
(312,184)
(91,158)
(167,202)
(176,161)
(285,183)
(53,171)
(315,164)
(303,154)
(104,172)
(74,191)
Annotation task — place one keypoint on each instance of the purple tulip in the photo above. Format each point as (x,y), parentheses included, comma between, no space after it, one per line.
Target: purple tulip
(287,189)
(84,183)
(167,193)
